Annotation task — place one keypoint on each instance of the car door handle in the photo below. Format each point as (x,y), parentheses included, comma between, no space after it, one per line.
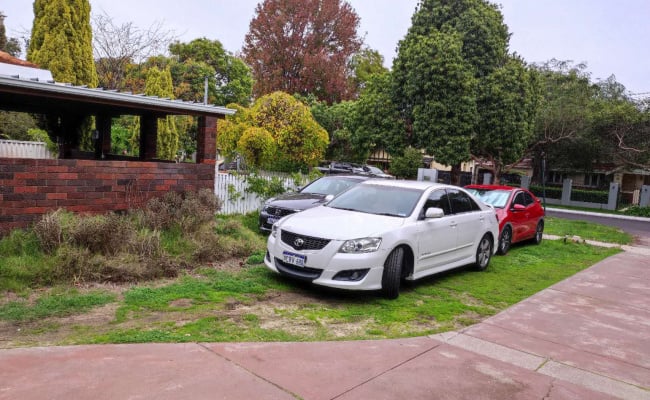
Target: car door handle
(453,224)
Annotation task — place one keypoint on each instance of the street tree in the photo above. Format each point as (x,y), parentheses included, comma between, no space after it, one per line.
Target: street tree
(364,65)
(451,46)
(507,105)
(229,79)
(303,47)
(435,92)
(620,126)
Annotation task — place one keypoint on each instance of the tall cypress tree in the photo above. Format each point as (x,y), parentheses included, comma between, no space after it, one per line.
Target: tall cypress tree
(159,83)
(61,41)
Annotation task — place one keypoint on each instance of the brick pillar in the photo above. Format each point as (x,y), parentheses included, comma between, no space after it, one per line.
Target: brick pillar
(206,140)
(103,143)
(148,137)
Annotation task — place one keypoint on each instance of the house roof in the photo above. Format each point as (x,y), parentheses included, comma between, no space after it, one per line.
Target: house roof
(7,58)
(29,89)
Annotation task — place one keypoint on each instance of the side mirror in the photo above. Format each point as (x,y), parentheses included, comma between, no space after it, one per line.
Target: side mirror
(434,212)
(329,198)
(518,207)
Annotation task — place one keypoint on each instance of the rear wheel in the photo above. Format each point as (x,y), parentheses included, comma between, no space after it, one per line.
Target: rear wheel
(390,279)
(505,241)
(539,232)
(483,252)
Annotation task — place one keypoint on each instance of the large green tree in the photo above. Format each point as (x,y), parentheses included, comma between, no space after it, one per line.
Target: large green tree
(620,126)
(61,41)
(452,62)
(507,104)
(564,118)
(364,65)
(229,79)
(435,92)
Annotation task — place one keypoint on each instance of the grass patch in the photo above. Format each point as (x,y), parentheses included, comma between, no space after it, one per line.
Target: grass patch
(221,306)
(586,230)
(242,300)
(55,304)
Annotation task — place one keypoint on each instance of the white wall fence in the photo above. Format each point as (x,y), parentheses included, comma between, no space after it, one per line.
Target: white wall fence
(242,201)
(20,149)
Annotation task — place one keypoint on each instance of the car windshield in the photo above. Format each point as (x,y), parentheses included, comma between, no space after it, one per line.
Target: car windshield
(374,170)
(329,185)
(377,199)
(497,198)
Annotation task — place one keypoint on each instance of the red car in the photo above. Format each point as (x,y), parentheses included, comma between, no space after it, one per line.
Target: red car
(520,213)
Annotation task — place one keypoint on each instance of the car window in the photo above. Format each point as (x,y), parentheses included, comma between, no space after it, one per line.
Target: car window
(528,198)
(329,185)
(461,202)
(439,199)
(377,199)
(519,199)
(496,198)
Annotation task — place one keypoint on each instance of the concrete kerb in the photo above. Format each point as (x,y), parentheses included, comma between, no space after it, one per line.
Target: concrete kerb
(597,214)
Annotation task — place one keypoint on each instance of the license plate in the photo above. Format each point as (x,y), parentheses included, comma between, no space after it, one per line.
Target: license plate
(295,259)
(271,220)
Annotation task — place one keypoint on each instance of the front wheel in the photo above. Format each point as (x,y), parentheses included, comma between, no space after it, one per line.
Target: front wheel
(483,252)
(390,279)
(505,241)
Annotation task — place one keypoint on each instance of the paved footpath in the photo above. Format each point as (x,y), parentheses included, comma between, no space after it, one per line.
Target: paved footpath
(587,337)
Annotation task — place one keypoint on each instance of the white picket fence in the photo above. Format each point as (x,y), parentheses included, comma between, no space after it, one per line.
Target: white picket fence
(20,149)
(243,202)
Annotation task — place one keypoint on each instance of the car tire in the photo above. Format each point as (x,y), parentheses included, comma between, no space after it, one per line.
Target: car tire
(505,241)
(539,232)
(483,253)
(392,275)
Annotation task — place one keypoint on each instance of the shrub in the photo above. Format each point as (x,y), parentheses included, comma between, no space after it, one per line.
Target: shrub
(552,192)
(637,211)
(590,196)
(188,211)
(103,234)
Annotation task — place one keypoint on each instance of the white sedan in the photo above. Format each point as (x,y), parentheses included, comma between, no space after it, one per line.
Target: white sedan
(380,232)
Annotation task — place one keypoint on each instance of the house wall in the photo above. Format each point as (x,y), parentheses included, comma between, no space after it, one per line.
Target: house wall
(30,188)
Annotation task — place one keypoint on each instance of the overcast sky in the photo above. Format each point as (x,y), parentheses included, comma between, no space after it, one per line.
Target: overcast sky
(609,36)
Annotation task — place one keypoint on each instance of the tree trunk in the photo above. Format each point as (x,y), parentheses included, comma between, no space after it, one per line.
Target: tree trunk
(455,174)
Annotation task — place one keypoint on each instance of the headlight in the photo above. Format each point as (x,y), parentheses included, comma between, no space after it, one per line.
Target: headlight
(365,245)
(274,230)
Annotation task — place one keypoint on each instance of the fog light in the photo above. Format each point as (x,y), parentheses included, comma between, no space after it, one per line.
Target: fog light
(352,275)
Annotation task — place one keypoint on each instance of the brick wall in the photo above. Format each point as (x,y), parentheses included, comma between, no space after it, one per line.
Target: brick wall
(30,188)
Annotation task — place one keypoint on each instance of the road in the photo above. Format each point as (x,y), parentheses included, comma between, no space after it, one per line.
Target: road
(637,227)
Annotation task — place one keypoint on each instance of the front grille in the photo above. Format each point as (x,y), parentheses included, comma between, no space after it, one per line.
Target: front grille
(302,273)
(309,242)
(278,212)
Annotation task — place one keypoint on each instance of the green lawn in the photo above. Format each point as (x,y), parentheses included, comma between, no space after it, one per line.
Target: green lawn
(586,230)
(253,304)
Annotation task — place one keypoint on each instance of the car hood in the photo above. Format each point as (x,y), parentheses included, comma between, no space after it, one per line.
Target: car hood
(297,201)
(335,224)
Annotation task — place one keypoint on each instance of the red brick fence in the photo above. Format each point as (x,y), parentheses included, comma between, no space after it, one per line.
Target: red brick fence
(30,188)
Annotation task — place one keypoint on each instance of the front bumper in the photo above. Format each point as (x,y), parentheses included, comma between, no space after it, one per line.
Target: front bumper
(322,266)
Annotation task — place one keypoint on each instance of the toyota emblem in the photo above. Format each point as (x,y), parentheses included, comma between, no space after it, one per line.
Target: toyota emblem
(298,243)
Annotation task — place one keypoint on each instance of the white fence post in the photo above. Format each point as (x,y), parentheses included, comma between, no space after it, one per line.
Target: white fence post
(244,202)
